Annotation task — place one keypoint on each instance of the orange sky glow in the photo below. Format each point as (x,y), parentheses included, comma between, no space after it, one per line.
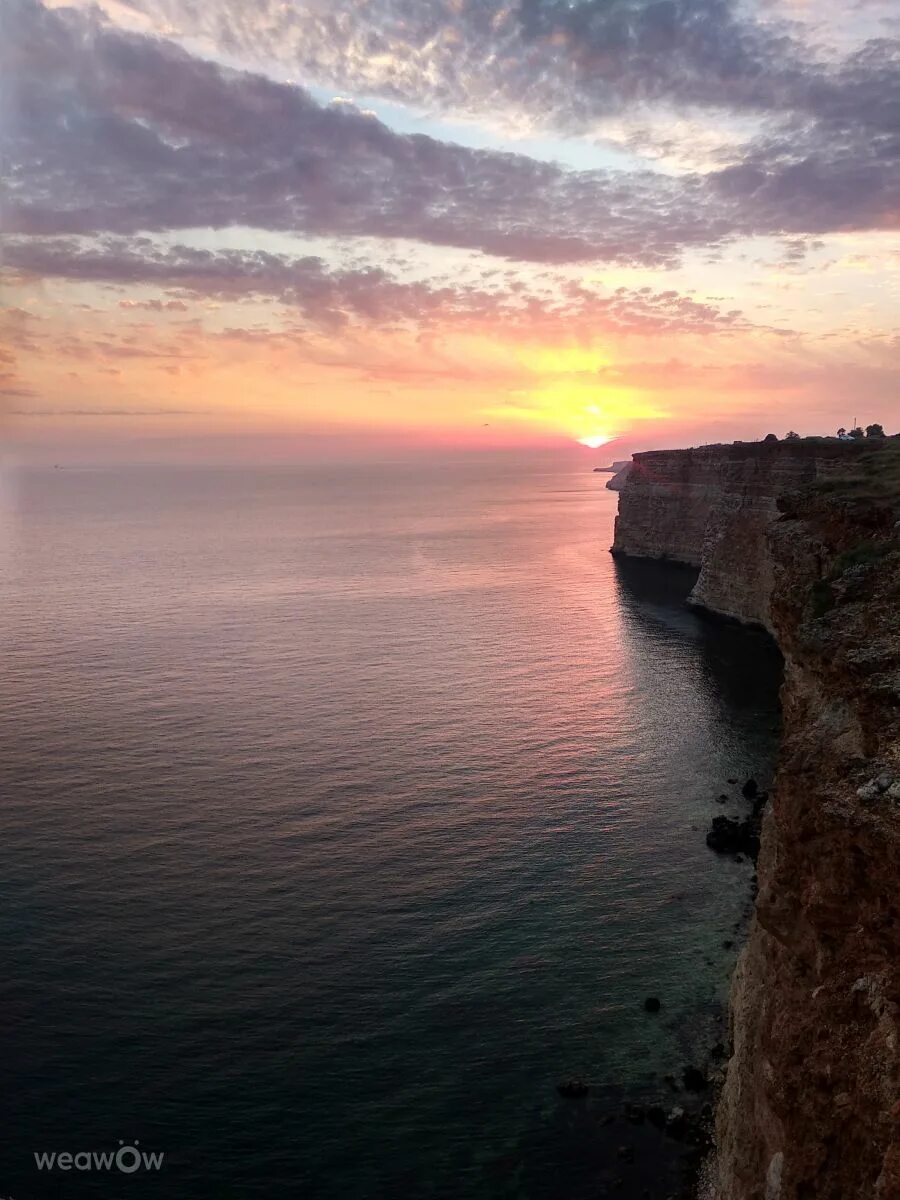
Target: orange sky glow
(187,283)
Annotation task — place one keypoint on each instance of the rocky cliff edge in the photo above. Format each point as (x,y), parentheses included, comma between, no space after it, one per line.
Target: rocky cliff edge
(810,1108)
(710,507)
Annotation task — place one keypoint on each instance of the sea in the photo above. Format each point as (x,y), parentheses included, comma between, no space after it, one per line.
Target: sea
(347,812)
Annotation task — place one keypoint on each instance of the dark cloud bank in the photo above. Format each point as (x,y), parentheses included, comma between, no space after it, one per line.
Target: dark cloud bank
(108,132)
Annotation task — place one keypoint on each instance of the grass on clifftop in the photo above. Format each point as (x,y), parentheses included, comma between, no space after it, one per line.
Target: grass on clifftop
(874,477)
(873,484)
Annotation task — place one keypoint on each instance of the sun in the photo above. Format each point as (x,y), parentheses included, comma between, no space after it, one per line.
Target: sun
(595,440)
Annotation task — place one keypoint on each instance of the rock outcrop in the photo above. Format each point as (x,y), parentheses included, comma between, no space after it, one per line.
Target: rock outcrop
(618,481)
(710,507)
(810,1107)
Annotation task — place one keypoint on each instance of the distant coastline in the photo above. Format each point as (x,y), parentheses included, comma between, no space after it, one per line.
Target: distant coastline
(614,467)
(619,470)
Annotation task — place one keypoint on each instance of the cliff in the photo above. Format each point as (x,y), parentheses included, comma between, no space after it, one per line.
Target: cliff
(808,542)
(711,506)
(618,481)
(810,1109)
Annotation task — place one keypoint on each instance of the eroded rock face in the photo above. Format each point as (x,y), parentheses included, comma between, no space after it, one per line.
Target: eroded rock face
(618,481)
(810,1109)
(710,507)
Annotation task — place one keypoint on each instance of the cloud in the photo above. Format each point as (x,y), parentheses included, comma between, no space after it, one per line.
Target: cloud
(102,412)
(155,305)
(19,333)
(110,131)
(564,64)
(12,388)
(331,298)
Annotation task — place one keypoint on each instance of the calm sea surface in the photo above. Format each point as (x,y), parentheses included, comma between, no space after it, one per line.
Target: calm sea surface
(344,814)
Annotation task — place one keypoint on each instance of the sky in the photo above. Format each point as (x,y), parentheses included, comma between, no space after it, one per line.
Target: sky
(294,229)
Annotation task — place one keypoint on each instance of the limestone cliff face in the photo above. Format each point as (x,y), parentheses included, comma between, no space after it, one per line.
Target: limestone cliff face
(810,1108)
(710,507)
(619,479)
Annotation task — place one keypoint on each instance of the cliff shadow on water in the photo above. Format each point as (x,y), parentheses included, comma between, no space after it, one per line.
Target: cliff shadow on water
(717,684)
(709,688)
(742,664)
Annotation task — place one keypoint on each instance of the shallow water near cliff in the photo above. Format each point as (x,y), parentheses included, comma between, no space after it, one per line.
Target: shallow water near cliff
(346,813)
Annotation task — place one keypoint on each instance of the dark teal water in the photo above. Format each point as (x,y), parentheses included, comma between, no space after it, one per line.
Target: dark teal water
(344,814)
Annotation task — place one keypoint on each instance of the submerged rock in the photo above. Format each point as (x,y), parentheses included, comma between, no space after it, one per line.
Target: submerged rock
(729,836)
(573,1088)
(694,1079)
(750,788)
(656,1115)
(676,1122)
(760,803)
